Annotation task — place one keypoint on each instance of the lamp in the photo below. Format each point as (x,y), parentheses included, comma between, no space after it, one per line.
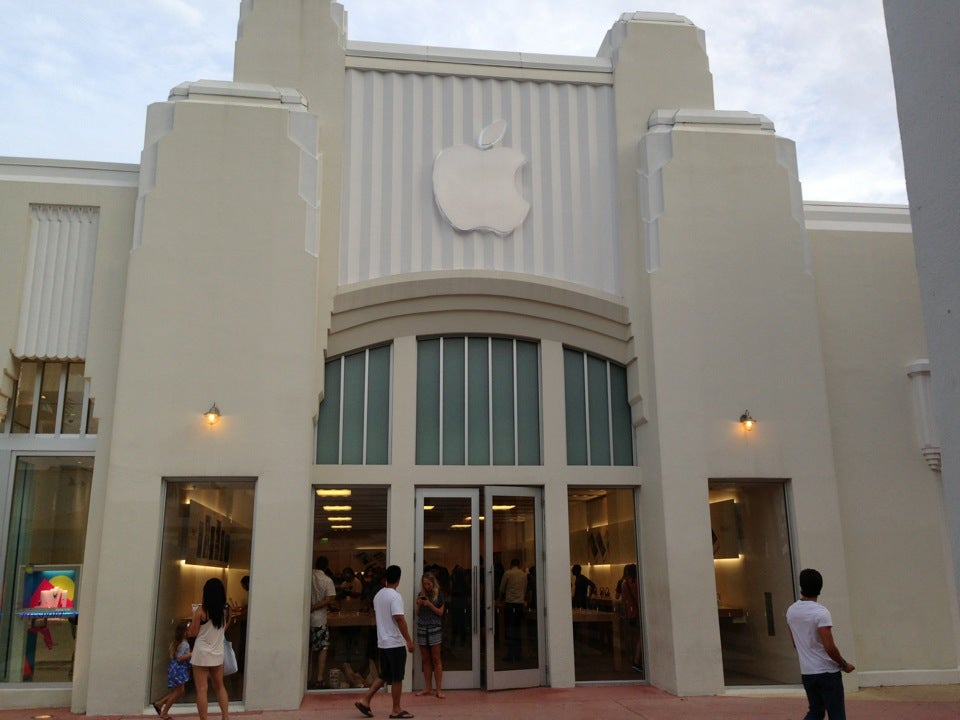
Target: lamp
(213,414)
(747,421)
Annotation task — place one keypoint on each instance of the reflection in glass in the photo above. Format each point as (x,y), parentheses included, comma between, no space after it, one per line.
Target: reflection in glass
(42,569)
(447,554)
(607,624)
(516,641)
(350,530)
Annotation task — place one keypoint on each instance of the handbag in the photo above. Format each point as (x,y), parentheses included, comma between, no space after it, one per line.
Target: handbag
(229,658)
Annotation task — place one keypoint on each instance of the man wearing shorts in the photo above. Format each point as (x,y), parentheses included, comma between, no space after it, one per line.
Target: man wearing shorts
(394,641)
(322,593)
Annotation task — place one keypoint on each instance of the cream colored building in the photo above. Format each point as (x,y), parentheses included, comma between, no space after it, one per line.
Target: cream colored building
(515,306)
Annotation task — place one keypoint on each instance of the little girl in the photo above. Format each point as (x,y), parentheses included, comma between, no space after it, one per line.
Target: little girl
(178,671)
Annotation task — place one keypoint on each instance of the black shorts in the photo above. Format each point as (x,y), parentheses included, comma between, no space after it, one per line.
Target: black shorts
(393,662)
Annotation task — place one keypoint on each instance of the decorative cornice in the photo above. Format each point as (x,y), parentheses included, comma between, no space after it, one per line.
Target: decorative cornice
(70,172)
(857,217)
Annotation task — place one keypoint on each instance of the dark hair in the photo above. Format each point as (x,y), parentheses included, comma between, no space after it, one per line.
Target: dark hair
(811,583)
(214,601)
(630,571)
(515,562)
(392,574)
(245,582)
(322,562)
(575,569)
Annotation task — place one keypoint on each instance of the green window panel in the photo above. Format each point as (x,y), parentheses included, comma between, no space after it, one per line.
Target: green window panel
(576,407)
(599,428)
(478,402)
(353,423)
(428,402)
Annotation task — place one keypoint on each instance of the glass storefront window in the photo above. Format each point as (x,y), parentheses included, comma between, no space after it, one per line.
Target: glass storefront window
(350,531)
(23,405)
(42,569)
(52,398)
(605,585)
(207,532)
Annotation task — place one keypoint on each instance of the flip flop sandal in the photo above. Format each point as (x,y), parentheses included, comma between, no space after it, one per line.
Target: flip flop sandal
(363,708)
(402,714)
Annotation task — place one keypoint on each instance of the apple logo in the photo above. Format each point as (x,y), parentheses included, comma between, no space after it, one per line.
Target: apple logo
(478,188)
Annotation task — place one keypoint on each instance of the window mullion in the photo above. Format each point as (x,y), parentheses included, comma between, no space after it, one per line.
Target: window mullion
(466,400)
(586,408)
(363,411)
(343,365)
(84,406)
(440,423)
(490,399)
(61,398)
(516,419)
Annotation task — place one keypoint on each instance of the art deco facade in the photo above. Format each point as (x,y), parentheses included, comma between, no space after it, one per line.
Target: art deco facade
(509,306)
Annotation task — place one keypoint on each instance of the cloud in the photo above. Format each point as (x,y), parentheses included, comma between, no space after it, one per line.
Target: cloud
(77,76)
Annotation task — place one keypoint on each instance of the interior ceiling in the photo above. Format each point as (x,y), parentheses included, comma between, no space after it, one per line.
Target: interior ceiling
(368,511)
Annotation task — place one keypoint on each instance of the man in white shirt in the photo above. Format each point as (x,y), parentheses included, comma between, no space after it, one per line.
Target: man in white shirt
(513,590)
(394,642)
(811,628)
(322,593)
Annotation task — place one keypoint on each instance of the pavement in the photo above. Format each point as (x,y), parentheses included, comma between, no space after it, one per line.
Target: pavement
(619,702)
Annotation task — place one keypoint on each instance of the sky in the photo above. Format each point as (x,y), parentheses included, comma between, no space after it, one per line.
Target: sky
(76,76)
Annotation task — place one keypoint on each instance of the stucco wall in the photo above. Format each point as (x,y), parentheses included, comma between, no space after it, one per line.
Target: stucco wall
(890,500)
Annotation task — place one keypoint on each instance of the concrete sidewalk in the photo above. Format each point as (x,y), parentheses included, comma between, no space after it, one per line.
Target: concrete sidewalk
(585,703)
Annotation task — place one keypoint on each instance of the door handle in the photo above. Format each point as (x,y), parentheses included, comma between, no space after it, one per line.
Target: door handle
(476,598)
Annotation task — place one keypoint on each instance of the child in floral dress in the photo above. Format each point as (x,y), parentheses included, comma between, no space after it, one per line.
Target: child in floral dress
(178,671)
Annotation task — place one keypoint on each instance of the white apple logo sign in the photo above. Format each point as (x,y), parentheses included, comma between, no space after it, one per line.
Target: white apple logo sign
(478,188)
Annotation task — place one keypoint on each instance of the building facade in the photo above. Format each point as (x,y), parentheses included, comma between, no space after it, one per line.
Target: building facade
(452,309)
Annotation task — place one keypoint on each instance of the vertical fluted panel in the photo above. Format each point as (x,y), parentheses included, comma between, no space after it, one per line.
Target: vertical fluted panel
(399,122)
(58,283)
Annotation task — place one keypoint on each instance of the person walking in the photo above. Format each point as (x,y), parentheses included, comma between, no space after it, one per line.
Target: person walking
(811,629)
(394,642)
(178,671)
(430,609)
(208,625)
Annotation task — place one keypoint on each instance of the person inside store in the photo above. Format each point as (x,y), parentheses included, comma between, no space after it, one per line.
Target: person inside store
(583,587)
(628,590)
(351,587)
(513,590)
(322,593)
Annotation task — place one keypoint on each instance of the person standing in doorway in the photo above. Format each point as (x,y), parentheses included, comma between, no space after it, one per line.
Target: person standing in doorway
(821,663)
(513,590)
(394,642)
(430,609)
(322,593)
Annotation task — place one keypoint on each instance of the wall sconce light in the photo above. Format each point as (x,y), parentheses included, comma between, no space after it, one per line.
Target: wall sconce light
(212,415)
(747,421)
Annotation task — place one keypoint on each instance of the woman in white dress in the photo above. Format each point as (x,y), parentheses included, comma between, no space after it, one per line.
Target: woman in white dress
(209,623)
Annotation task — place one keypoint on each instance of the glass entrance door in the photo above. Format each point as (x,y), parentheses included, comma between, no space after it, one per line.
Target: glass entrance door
(514,598)
(493,628)
(448,530)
